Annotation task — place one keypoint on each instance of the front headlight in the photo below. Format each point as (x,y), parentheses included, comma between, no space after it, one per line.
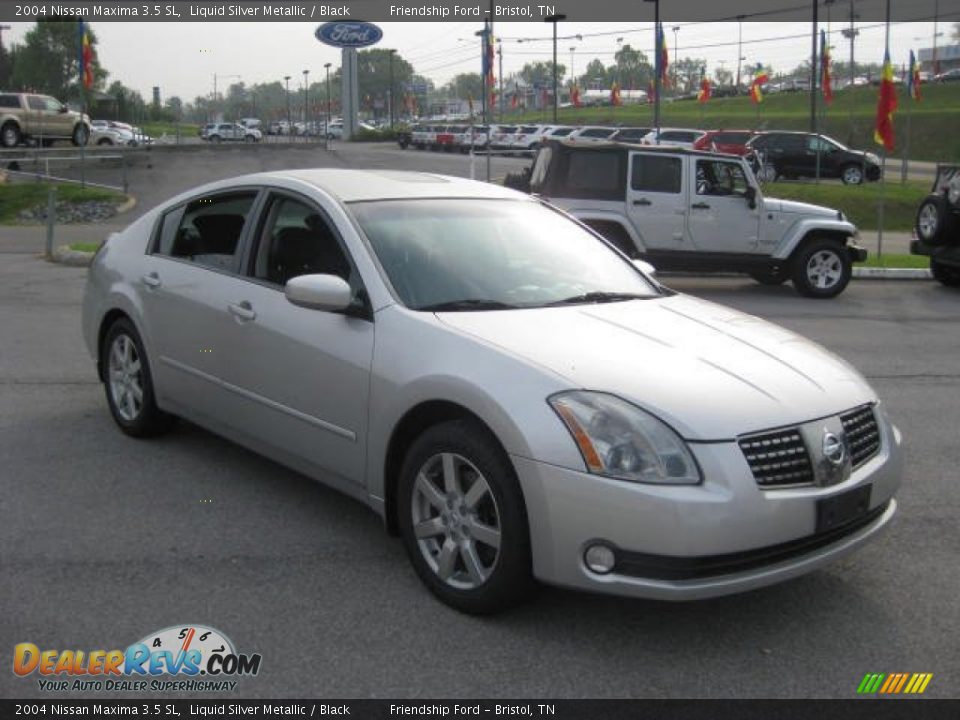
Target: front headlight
(873,159)
(619,440)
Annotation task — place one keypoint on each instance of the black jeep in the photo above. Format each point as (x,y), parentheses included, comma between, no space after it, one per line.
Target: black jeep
(938,226)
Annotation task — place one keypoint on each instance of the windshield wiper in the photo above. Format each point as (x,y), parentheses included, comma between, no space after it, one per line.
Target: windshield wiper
(599,297)
(467,304)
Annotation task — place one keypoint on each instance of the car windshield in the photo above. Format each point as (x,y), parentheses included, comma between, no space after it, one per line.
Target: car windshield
(479,254)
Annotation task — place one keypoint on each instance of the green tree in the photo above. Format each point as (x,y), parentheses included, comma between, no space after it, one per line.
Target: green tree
(723,76)
(594,75)
(541,73)
(47,60)
(464,86)
(688,72)
(632,68)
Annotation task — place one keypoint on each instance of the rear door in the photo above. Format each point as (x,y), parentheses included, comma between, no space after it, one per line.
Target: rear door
(656,203)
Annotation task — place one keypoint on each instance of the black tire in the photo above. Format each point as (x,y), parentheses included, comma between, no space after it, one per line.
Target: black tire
(948,275)
(510,578)
(768,173)
(81,135)
(935,224)
(852,174)
(10,135)
(104,141)
(821,269)
(216,139)
(148,420)
(770,277)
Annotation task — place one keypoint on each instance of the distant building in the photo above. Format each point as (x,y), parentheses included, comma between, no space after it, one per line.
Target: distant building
(948,58)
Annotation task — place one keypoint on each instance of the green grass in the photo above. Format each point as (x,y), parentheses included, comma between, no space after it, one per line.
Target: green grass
(895,260)
(85,246)
(859,202)
(850,119)
(15,197)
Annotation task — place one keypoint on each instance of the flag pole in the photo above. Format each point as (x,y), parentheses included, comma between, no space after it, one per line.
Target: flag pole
(883,155)
(906,143)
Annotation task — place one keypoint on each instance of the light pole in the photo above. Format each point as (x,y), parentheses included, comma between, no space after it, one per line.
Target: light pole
(851,33)
(215,86)
(935,64)
(306,101)
(657,60)
(554,19)
(391,53)
(813,67)
(500,78)
(573,75)
(740,48)
(676,29)
(326,130)
(289,128)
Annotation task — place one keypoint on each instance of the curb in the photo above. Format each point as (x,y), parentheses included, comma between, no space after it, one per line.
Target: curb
(65,256)
(872,273)
(129,204)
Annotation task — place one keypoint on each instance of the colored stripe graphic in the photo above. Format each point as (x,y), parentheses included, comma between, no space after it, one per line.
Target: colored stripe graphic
(894,683)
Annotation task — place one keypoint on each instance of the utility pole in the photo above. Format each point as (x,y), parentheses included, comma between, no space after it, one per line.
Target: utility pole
(306,102)
(740,48)
(289,127)
(851,33)
(935,64)
(391,52)
(554,19)
(676,29)
(656,65)
(813,69)
(500,79)
(326,130)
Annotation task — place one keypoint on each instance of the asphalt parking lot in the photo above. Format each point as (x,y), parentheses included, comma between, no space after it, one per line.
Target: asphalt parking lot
(104,539)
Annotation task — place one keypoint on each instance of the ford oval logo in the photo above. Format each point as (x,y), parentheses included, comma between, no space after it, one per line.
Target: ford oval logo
(833,449)
(349,34)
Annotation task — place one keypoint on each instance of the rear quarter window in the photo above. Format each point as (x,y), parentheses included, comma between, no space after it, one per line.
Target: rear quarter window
(9,101)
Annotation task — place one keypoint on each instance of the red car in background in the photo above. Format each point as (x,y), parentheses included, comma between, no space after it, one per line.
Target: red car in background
(725,141)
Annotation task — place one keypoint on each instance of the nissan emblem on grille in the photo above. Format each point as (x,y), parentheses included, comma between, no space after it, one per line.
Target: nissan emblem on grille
(834,464)
(833,449)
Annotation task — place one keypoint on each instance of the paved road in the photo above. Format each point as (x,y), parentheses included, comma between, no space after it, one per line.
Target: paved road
(104,538)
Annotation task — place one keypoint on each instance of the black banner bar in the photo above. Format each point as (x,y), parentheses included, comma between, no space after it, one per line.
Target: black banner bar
(857,709)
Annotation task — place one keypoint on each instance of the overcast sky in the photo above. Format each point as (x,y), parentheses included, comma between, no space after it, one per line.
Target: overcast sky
(182,58)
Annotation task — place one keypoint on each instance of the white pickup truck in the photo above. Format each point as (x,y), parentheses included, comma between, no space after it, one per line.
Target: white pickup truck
(682,209)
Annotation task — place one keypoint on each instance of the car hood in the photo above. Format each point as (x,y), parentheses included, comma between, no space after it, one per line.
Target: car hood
(709,371)
(797,208)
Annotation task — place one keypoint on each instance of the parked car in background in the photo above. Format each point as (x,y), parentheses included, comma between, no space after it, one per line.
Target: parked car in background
(630,134)
(527,137)
(513,396)
(725,141)
(41,118)
(591,134)
(948,76)
(695,211)
(105,132)
(222,132)
(794,155)
(501,136)
(680,137)
(558,132)
(937,227)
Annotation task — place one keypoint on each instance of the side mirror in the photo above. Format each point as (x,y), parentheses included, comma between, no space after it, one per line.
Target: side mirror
(751,195)
(319,292)
(63,109)
(645,267)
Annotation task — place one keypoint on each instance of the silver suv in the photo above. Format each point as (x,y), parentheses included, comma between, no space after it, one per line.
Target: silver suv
(683,209)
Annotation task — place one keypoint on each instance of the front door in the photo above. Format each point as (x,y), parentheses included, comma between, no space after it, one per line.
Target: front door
(656,203)
(299,377)
(721,220)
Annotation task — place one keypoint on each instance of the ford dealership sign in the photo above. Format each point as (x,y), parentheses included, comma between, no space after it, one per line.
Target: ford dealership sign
(349,34)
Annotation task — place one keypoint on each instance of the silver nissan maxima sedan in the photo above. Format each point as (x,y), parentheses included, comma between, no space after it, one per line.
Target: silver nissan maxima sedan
(515,398)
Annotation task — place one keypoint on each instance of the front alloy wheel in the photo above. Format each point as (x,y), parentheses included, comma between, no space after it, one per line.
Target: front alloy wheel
(822,269)
(852,175)
(463,519)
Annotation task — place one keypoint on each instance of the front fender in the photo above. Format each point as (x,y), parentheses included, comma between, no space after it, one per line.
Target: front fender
(815,226)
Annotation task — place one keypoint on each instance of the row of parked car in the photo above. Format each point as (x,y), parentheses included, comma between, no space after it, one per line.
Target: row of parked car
(113,132)
(774,154)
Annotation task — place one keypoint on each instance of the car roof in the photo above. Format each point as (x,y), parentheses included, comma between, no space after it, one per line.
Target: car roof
(615,145)
(352,185)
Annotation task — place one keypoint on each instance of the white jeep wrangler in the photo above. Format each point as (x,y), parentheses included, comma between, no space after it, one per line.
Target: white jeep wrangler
(697,211)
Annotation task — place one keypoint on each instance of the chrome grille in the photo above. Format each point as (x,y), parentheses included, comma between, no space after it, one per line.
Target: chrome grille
(863,435)
(778,458)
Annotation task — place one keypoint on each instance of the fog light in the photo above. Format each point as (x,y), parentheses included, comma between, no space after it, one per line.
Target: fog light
(600,559)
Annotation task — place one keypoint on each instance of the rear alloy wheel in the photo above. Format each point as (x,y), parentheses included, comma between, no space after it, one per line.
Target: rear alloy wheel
(852,175)
(10,135)
(250,138)
(129,385)
(768,174)
(948,275)
(462,519)
(822,269)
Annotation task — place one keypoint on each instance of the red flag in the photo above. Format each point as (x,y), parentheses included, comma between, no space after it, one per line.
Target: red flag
(86,56)
(664,59)
(759,79)
(575,96)
(887,103)
(513,99)
(826,82)
(704,94)
(615,94)
(651,92)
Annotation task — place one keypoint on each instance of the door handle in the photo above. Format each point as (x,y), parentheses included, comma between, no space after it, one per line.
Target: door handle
(700,206)
(642,201)
(152,280)
(243,311)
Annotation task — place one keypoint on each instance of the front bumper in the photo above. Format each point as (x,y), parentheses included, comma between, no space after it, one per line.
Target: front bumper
(691,542)
(857,253)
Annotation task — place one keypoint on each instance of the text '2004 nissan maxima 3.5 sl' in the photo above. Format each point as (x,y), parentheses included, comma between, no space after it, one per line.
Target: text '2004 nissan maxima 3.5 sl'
(514,396)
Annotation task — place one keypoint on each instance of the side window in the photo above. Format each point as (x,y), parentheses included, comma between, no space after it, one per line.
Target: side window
(297,240)
(653,173)
(597,175)
(35,102)
(208,232)
(52,105)
(9,101)
(715,177)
